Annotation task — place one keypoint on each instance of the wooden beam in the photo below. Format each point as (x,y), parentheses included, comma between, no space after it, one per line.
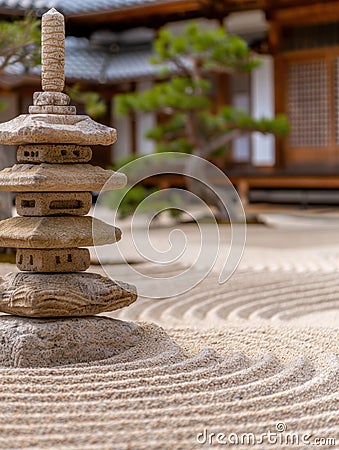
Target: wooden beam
(244,183)
(276,181)
(143,11)
(319,12)
(116,20)
(157,14)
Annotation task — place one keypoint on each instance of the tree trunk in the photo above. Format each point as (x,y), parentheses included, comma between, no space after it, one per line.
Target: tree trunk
(224,196)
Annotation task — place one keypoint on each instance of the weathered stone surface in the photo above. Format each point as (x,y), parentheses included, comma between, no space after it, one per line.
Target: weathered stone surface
(56,232)
(50,98)
(57,342)
(53,153)
(51,109)
(53,260)
(53,203)
(55,128)
(59,177)
(52,51)
(64,294)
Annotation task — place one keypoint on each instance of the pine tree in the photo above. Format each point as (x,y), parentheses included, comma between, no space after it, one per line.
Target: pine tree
(19,43)
(184,97)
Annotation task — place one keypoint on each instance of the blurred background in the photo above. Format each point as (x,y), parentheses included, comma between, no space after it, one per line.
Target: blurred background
(109,44)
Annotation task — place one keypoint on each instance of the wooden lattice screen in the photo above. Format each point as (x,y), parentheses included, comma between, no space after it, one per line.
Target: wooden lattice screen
(309,103)
(336,100)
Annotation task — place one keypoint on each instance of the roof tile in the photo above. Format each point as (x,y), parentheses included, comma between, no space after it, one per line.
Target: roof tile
(69,7)
(101,66)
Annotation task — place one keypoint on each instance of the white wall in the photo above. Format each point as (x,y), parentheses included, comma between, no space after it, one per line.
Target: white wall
(241,146)
(123,146)
(246,22)
(144,121)
(262,100)
(178,28)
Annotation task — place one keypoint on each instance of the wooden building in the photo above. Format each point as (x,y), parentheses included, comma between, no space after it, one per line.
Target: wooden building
(108,47)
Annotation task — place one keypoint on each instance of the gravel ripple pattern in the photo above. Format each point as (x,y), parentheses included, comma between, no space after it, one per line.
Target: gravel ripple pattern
(175,388)
(249,297)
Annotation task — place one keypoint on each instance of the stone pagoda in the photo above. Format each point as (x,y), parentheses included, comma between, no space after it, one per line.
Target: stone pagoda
(52,300)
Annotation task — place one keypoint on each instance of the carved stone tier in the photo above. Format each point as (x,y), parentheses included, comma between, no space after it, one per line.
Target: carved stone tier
(51,109)
(56,232)
(58,342)
(53,203)
(56,295)
(53,153)
(51,98)
(59,177)
(53,260)
(55,129)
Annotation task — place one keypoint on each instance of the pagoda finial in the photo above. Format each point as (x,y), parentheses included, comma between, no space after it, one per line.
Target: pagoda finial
(53,51)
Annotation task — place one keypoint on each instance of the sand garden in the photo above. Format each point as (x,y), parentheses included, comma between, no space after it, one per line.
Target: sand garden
(258,354)
(251,362)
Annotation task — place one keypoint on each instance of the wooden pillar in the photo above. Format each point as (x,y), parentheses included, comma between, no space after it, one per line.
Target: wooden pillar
(243,188)
(274,42)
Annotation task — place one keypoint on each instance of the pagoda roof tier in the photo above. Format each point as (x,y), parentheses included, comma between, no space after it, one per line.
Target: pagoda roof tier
(59,177)
(55,128)
(56,232)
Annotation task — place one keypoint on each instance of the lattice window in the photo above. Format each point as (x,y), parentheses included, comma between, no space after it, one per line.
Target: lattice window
(336,100)
(309,104)
(310,36)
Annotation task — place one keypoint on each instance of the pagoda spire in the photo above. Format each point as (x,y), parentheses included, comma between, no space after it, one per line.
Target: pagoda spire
(53,51)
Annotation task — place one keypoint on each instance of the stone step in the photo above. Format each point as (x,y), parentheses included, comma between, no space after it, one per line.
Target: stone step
(55,129)
(59,177)
(56,232)
(53,203)
(62,294)
(53,153)
(53,260)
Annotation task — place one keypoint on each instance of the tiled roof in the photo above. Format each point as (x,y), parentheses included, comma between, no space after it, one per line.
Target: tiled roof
(87,64)
(70,7)
(103,67)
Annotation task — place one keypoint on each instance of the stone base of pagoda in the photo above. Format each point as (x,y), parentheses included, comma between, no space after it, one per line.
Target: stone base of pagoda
(58,342)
